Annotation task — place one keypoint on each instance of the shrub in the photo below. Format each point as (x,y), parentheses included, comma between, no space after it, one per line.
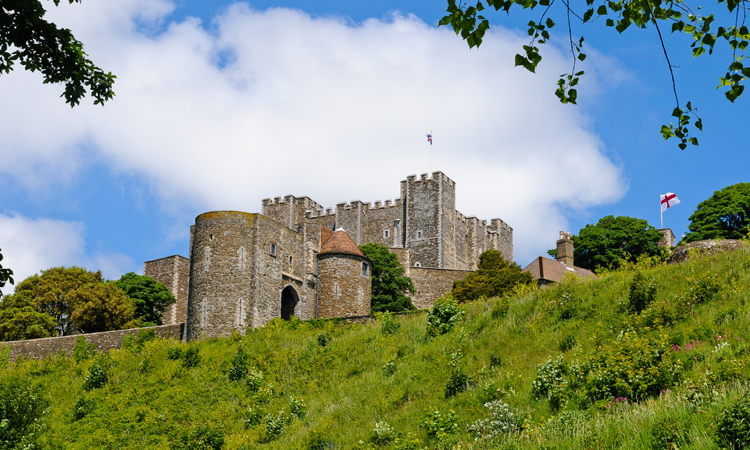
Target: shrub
(96,378)
(705,288)
(191,357)
(439,425)
(136,343)
(642,293)
(83,407)
(389,368)
(274,425)
(733,427)
(443,316)
(496,361)
(566,308)
(324,339)
(202,437)
(383,434)
(388,324)
(22,411)
(174,353)
(495,277)
(567,343)
(238,367)
(81,349)
(254,380)
(297,407)
(548,374)
(458,381)
(502,420)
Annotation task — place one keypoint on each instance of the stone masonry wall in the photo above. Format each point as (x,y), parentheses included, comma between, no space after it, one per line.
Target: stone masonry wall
(103,342)
(422,217)
(173,272)
(343,291)
(430,284)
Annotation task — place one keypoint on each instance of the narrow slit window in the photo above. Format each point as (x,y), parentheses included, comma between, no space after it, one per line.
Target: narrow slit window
(290,260)
(364,269)
(273,249)
(419,235)
(386,234)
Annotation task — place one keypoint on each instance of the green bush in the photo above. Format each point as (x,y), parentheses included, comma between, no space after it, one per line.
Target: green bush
(96,378)
(458,381)
(383,434)
(443,316)
(502,420)
(254,380)
(202,437)
(324,339)
(733,426)
(81,349)
(388,324)
(667,433)
(274,425)
(642,293)
(297,407)
(174,353)
(500,309)
(23,408)
(136,343)
(439,425)
(567,343)
(191,356)
(238,367)
(83,407)
(495,277)
(705,288)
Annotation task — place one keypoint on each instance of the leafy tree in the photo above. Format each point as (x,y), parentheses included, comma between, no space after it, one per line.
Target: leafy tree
(23,408)
(151,298)
(725,215)
(389,285)
(467,20)
(6,276)
(19,320)
(494,278)
(613,239)
(76,299)
(27,38)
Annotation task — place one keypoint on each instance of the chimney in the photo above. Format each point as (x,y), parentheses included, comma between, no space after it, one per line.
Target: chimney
(565,249)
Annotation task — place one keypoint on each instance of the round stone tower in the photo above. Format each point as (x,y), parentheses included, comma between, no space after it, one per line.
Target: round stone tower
(345,278)
(220,273)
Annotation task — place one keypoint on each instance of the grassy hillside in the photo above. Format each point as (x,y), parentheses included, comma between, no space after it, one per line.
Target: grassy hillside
(610,377)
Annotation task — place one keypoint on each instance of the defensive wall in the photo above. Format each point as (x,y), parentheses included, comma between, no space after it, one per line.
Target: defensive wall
(173,272)
(102,342)
(430,284)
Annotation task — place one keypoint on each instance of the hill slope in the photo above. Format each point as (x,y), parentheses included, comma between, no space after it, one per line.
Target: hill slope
(610,377)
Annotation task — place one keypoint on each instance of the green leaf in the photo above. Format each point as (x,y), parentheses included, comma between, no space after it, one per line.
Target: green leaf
(581,56)
(699,124)
(610,23)
(678,26)
(677,112)
(550,23)
(602,10)
(666,132)
(697,51)
(587,15)
(689,28)
(682,145)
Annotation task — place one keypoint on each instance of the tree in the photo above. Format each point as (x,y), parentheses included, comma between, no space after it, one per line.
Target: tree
(495,277)
(389,285)
(613,239)
(150,297)
(725,215)
(23,407)
(26,38)
(77,299)
(466,20)
(6,276)
(18,322)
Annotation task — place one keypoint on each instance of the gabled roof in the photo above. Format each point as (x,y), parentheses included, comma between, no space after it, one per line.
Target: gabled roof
(340,242)
(551,270)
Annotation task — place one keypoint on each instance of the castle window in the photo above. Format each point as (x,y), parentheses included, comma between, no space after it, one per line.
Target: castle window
(364,269)
(419,235)
(273,249)
(386,234)
(290,260)
(417,264)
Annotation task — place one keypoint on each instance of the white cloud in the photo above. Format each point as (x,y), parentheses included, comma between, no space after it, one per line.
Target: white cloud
(32,245)
(313,106)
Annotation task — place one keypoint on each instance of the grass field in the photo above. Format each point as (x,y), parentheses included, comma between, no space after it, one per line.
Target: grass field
(584,364)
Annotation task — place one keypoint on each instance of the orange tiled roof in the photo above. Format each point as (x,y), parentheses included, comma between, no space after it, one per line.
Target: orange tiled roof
(340,242)
(325,234)
(552,270)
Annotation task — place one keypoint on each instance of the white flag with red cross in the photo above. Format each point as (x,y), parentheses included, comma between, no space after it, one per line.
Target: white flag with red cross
(668,200)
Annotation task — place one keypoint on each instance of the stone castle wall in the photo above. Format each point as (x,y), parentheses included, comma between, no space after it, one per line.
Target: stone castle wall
(341,274)
(430,284)
(103,342)
(173,272)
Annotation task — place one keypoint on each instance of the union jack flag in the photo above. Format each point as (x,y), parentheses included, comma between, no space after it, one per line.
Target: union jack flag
(429,138)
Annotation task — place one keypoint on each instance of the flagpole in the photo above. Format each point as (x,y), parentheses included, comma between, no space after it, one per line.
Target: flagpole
(661,213)
(433,137)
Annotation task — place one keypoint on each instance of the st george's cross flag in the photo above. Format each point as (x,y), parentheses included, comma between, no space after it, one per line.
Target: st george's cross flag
(668,200)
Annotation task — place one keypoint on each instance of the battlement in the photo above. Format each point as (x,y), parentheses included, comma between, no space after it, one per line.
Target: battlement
(386,204)
(500,225)
(412,179)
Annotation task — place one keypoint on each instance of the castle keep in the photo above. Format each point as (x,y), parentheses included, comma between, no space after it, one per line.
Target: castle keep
(300,259)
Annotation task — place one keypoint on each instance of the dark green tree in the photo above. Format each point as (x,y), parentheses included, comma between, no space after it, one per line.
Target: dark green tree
(20,320)
(28,39)
(6,276)
(389,285)
(725,215)
(151,298)
(467,19)
(77,299)
(613,239)
(495,277)
(23,408)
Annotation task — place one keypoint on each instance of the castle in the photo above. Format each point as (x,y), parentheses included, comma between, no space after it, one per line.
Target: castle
(300,259)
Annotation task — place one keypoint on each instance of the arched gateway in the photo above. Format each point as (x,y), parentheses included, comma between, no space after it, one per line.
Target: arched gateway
(289,300)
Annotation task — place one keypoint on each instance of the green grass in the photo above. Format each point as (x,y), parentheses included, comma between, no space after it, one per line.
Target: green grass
(151,401)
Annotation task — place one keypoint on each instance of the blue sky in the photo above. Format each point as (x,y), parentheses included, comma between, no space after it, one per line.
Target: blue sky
(220,104)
